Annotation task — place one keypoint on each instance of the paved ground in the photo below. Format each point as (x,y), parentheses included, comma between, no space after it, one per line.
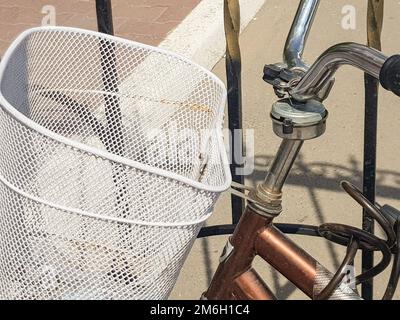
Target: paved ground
(147,21)
(313,195)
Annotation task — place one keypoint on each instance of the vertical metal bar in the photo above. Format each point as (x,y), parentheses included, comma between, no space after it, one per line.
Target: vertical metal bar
(115,143)
(374,29)
(233,75)
(104,16)
(114,139)
(281,165)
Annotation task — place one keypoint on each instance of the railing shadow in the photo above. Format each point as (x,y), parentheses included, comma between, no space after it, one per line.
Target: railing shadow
(327,176)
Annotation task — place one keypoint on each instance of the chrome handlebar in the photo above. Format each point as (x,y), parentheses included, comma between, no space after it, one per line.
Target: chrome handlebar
(322,71)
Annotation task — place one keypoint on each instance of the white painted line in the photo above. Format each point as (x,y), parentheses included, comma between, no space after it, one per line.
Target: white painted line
(200,37)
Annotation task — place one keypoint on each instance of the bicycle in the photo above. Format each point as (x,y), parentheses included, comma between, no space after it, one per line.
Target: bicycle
(298,116)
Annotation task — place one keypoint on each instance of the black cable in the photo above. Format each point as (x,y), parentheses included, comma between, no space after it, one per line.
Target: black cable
(369,242)
(340,273)
(287,228)
(371,210)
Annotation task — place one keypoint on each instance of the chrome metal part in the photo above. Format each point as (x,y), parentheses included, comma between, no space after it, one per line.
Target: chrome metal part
(322,71)
(281,165)
(260,206)
(299,113)
(298,34)
(294,120)
(268,195)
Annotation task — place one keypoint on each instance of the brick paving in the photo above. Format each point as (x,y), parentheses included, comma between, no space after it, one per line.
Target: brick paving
(147,21)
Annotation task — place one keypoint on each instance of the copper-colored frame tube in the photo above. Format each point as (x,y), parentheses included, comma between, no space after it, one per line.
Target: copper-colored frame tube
(255,235)
(232,280)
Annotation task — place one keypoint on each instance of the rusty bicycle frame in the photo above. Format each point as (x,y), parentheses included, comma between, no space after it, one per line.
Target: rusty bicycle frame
(256,234)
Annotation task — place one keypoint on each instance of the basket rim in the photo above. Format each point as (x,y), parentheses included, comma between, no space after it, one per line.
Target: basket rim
(20,117)
(103,217)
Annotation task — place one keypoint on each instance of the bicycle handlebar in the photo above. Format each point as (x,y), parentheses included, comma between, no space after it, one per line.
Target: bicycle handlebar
(322,71)
(371,61)
(389,76)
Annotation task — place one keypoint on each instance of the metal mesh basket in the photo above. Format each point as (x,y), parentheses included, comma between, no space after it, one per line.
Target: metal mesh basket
(111,160)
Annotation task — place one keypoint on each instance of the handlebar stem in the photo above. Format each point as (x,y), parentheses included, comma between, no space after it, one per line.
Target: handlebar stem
(298,34)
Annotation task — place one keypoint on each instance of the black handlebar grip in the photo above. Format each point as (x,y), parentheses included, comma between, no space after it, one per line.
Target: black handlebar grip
(390,74)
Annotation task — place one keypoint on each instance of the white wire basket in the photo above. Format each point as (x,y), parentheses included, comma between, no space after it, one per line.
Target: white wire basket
(111,160)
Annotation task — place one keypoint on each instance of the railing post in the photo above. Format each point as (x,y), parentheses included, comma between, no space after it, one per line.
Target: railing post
(104,16)
(233,75)
(374,29)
